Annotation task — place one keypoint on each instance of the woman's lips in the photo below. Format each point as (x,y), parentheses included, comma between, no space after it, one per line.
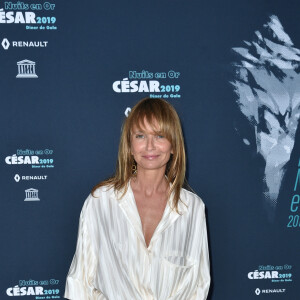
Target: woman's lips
(150,157)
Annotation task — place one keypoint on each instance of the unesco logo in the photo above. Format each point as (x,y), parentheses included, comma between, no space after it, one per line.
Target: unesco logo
(257,291)
(26,69)
(32,195)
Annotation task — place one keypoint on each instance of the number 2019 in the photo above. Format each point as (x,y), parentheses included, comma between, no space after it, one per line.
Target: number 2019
(169,88)
(46,20)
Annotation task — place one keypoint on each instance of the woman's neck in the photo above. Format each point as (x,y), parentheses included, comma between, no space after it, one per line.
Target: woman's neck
(150,182)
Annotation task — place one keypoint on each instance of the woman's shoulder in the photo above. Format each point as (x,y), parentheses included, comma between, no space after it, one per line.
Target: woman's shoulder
(102,191)
(96,198)
(191,198)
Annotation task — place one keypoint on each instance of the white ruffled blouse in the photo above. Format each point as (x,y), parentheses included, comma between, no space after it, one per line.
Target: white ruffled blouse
(113,262)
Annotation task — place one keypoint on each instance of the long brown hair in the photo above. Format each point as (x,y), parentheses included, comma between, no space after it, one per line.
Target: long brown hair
(159,110)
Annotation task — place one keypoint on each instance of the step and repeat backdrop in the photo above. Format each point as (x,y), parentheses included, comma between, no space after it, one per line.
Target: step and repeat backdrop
(70,73)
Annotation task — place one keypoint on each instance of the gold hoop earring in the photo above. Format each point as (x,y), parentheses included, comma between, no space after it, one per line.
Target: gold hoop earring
(134,169)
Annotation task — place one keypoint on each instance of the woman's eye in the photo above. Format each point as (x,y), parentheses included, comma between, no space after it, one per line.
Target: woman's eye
(160,136)
(139,136)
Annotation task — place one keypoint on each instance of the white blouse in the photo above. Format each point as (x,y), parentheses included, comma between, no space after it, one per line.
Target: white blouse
(113,262)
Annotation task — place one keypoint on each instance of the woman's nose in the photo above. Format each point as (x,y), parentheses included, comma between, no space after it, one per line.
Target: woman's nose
(150,144)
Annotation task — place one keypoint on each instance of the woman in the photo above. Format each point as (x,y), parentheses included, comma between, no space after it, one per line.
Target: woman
(141,235)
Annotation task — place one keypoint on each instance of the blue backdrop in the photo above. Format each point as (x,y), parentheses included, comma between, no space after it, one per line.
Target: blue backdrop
(70,71)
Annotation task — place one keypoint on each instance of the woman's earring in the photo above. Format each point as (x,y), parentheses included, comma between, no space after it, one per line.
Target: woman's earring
(134,169)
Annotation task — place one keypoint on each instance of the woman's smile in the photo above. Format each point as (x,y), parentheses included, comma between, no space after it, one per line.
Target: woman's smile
(150,157)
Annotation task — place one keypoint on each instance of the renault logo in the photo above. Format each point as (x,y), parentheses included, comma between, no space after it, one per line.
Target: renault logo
(5,43)
(17,177)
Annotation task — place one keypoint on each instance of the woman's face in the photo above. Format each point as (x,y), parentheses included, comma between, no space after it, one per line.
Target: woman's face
(150,150)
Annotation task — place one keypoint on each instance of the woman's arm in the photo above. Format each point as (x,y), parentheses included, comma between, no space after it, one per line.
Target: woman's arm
(80,279)
(204,282)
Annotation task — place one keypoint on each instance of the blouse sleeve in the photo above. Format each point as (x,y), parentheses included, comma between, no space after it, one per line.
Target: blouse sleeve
(80,279)
(204,282)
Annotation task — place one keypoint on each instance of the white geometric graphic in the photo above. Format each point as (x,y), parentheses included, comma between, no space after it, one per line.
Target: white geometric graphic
(26,69)
(127,111)
(267,83)
(17,178)
(257,291)
(31,195)
(5,43)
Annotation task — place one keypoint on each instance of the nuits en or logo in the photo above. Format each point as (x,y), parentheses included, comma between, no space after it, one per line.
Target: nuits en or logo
(26,69)
(35,288)
(257,291)
(32,195)
(5,43)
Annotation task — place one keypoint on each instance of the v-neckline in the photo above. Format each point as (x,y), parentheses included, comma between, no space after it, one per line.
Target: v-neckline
(167,208)
(128,205)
